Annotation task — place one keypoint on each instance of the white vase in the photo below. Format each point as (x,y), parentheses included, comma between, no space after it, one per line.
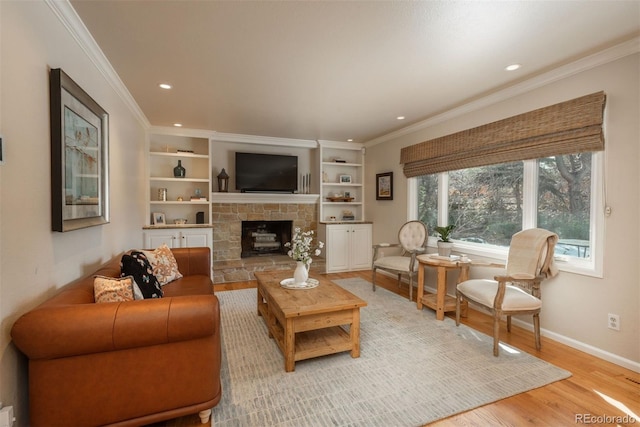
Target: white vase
(301,274)
(444,248)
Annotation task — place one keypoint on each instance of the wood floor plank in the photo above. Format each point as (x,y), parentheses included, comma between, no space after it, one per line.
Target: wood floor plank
(556,404)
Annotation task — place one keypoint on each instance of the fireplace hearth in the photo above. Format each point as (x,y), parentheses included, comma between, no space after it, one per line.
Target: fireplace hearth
(264,238)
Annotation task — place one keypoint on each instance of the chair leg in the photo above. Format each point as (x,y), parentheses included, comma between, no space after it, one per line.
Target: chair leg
(496,333)
(508,323)
(458,297)
(373,279)
(410,287)
(536,330)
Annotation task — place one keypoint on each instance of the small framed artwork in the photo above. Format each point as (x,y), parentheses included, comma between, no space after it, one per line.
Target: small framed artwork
(345,179)
(79,156)
(157,218)
(384,186)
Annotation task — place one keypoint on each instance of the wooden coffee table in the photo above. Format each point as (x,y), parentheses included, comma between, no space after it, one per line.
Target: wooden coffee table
(308,323)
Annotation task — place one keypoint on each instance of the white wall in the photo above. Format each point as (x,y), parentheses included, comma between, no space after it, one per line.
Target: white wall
(34,261)
(575,307)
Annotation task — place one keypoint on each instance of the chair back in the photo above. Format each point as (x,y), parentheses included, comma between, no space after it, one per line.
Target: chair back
(412,235)
(531,253)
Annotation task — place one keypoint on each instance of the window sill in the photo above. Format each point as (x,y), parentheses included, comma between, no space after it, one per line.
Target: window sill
(499,254)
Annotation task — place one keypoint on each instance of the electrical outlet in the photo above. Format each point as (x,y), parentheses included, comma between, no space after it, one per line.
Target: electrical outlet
(613,321)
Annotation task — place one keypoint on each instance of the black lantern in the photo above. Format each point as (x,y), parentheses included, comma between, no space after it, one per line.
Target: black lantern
(223,182)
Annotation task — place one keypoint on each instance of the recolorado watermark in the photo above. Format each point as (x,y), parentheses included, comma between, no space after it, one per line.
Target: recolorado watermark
(604,419)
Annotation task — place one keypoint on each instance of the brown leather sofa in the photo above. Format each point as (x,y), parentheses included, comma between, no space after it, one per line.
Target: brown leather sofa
(124,363)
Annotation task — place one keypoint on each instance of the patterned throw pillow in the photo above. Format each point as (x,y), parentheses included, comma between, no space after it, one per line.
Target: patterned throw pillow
(137,265)
(110,289)
(164,264)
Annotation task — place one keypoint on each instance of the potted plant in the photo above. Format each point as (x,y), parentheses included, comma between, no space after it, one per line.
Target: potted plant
(444,244)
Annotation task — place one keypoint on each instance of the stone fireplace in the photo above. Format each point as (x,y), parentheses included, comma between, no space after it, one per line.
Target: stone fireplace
(229,264)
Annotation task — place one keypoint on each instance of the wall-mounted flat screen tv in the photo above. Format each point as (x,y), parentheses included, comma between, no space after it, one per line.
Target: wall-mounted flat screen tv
(266,173)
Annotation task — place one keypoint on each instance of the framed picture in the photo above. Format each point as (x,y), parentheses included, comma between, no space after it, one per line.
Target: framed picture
(345,179)
(384,186)
(79,156)
(157,218)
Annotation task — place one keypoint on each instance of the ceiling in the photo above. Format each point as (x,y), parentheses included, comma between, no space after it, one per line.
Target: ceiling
(337,70)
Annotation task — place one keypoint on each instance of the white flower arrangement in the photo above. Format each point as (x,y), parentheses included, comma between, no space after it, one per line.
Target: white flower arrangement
(301,247)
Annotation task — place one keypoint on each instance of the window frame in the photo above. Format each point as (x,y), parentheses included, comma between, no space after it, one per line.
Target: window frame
(589,267)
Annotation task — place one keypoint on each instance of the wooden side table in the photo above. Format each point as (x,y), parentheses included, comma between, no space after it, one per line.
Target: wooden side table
(441,302)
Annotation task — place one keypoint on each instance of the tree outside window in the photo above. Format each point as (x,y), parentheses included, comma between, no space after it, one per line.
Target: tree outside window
(487,203)
(564,201)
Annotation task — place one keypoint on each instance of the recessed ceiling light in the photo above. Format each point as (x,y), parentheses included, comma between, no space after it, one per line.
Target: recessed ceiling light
(400,117)
(165,86)
(350,140)
(512,67)
(178,125)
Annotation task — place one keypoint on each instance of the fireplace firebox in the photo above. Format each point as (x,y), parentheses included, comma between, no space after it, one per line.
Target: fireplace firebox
(262,238)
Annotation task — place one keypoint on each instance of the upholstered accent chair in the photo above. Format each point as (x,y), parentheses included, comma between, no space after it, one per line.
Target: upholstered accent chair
(529,262)
(412,239)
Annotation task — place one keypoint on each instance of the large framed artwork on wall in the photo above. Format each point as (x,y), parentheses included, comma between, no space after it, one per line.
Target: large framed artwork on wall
(79,156)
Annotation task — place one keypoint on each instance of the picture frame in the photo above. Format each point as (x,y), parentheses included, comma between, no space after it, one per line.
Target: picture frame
(384,186)
(79,156)
(158,218)
(345,179)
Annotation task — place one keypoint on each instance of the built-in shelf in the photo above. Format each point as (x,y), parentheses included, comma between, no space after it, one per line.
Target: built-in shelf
(165,179)
(179,154)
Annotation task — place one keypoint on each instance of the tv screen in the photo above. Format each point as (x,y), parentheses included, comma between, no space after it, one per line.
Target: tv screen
(266,172)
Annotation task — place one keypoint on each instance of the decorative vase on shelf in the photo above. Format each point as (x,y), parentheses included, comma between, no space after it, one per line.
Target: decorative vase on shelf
(301,273)
(179,171)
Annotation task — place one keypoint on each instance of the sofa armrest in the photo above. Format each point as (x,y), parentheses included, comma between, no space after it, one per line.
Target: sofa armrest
(193,260)
(72,330)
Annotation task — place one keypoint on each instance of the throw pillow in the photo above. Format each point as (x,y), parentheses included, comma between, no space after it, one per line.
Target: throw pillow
(137,265)
(110,289)
(164,264)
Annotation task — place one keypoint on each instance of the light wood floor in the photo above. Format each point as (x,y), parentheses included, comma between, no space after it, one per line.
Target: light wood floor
(597,388)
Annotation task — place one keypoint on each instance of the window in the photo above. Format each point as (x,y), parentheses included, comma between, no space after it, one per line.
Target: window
(485,203)
(564,201)
(488,204)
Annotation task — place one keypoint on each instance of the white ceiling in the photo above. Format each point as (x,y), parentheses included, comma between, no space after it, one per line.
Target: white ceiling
(335,70)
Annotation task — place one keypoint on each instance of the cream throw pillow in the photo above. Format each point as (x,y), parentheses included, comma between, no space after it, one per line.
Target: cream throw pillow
(164,264)
(110,289)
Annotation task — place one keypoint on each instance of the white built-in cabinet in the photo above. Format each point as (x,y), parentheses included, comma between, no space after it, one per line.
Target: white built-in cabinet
(347,246)
(342,226)
(178,238)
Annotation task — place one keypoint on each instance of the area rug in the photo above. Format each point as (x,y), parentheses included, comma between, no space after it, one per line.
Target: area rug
(412,370)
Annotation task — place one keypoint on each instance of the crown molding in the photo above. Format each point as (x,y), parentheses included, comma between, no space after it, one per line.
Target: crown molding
(180,131)
(263,140)
(74,25)
(629,47)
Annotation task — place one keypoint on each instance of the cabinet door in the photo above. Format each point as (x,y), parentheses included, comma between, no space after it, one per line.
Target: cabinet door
(155,238)
(338,247)
(361,249)
(195,238)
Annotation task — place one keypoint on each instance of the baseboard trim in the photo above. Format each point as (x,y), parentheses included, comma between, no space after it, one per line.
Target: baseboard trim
(570,342)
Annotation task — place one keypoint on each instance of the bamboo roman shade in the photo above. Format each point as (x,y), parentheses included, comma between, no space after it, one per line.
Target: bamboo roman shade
(568,127)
